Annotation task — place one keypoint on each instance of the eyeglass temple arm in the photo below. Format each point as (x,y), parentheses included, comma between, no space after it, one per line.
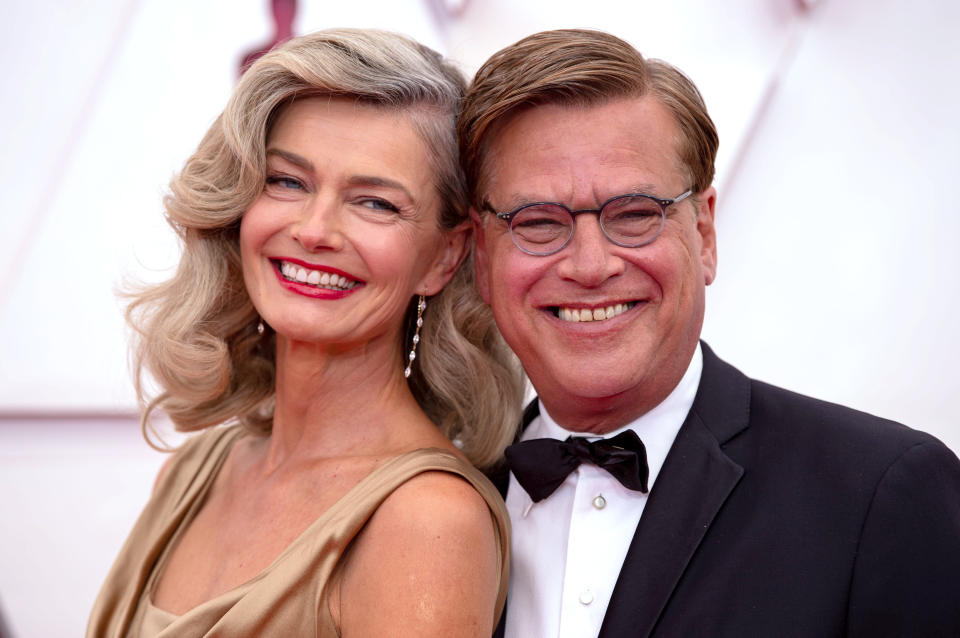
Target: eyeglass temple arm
(679,198)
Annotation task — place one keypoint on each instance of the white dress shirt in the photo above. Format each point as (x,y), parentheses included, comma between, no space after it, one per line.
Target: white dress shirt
(567,549)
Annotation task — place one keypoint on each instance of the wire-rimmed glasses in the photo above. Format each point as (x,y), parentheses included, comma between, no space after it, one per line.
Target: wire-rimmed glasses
(631,220)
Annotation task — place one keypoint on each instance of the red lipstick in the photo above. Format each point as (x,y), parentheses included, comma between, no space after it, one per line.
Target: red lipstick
(310,290)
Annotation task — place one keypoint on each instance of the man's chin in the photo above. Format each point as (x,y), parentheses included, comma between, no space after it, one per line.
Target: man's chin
(590,414)
(589,393)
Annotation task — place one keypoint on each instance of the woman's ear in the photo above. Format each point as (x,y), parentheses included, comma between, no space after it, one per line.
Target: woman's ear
(453,248)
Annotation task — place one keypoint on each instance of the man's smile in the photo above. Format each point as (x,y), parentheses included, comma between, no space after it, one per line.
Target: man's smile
(583,314)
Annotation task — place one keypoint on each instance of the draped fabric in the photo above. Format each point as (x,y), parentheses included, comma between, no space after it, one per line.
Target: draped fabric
(289,597)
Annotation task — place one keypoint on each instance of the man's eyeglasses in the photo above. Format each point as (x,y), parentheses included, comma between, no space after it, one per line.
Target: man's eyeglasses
(632,220)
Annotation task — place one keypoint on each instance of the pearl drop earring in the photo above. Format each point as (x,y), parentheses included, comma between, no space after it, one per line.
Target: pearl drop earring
(416,337)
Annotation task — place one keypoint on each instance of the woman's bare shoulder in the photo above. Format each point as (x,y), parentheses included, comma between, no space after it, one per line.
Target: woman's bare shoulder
(437,499)
(426,564)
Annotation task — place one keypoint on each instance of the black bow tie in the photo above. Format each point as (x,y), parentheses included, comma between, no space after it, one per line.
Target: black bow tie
(541,465)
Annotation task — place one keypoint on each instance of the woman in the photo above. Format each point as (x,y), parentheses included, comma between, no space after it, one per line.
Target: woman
(321,217)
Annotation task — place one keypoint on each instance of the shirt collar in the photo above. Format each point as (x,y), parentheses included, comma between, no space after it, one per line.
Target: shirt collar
(657,428)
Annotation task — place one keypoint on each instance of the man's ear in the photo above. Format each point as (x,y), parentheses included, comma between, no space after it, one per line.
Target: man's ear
(706,205)
(480,255)
(453,248)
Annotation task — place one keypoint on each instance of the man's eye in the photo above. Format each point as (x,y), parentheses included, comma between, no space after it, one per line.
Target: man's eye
(534,221)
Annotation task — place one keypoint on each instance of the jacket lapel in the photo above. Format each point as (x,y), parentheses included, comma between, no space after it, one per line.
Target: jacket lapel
(501,627)
(696,479)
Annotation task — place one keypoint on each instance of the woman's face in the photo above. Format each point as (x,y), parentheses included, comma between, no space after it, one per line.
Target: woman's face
(345,232)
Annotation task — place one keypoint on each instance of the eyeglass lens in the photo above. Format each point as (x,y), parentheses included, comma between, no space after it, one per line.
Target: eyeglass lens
(628,221)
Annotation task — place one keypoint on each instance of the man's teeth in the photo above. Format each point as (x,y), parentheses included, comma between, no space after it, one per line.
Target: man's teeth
(594,314)
(317,278)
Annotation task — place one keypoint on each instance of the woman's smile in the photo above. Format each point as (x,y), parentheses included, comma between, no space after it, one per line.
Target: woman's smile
(317,276)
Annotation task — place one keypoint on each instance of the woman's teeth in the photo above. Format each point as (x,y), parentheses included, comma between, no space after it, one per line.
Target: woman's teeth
(594,314)
(317,278)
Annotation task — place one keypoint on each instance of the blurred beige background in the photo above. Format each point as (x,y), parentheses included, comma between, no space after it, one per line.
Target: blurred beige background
(836,218)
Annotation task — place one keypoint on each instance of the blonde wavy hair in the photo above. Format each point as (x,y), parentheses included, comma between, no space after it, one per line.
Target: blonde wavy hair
(195,334)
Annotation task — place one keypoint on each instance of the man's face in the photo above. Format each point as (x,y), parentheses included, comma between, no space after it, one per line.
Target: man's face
(596,375)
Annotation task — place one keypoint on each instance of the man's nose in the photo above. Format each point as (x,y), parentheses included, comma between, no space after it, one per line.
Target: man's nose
(588,258)
(320,225)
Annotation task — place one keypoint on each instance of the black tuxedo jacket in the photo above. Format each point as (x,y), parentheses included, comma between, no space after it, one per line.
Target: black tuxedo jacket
(778,515)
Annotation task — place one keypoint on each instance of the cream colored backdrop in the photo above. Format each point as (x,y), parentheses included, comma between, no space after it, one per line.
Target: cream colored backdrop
(837,217)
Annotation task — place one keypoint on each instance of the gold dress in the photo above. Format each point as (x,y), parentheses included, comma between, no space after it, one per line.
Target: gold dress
(289,597)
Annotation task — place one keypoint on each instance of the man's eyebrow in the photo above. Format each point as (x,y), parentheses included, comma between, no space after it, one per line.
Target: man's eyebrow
(293,158)
(370,180)
(516,200)
(644,189)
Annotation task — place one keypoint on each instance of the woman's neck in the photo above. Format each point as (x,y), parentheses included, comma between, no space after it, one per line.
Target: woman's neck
(341,403)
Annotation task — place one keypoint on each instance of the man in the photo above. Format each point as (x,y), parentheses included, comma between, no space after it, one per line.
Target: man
(746,510)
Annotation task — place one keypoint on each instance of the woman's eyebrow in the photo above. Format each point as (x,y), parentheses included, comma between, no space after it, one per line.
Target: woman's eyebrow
(369,180)
(293,158)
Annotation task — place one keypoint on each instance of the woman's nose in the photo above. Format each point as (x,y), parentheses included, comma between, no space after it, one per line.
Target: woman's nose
(320,226)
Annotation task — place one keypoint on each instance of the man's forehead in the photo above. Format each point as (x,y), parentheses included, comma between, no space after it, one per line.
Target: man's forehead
(587,153)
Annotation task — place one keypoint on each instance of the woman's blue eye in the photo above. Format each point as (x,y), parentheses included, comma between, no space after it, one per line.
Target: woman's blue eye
(284,182)
(378,204)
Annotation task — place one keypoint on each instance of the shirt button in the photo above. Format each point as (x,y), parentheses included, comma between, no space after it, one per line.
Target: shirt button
(599,502)
(586,597)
